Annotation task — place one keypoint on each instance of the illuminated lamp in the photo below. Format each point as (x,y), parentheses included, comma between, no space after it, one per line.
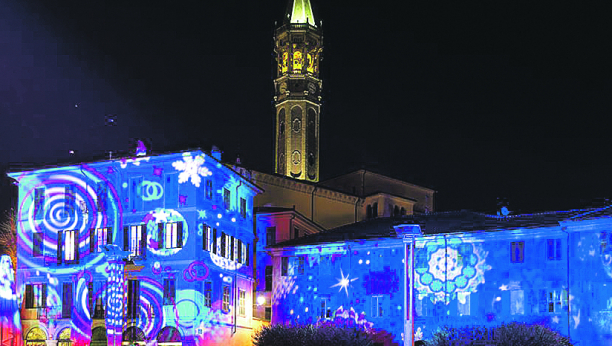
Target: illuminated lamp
(233,219)
(219,216)
(261,300)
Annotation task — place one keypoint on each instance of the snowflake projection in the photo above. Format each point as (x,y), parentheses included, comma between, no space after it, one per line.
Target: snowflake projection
(284,288)
(449,269)
(191,169)
(344,282)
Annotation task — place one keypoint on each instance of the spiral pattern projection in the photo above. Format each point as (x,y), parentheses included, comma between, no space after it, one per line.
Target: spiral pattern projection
(70,202)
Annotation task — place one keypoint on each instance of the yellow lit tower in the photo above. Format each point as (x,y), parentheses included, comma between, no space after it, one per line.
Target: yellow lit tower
(298,47)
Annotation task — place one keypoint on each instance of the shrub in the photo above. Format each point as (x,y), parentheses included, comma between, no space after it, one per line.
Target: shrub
(505,335)
(309,335)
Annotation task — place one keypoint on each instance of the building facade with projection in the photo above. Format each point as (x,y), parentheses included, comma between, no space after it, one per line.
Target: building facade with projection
(470,269)
(142,250)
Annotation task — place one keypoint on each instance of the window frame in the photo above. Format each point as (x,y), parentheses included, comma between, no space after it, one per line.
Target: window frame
(377,306)
(553,249)
(169,294)
(243,208)
(227,198)
(226,299)
(208,293)
(520,246)
(38,244)
(242,303)
(269,282)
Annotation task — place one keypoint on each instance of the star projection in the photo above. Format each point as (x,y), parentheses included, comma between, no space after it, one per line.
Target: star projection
(344,282)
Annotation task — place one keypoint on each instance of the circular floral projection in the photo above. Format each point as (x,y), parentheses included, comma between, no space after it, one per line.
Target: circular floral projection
(447,270)
(161,215)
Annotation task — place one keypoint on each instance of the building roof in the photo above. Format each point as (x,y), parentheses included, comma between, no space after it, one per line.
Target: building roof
(300,12)
(444,223)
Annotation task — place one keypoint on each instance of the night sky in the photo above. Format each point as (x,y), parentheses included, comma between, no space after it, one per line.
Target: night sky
(475,100)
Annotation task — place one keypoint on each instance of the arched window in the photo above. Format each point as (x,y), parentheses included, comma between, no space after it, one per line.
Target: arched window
(369,212)
(98,337)
(64,338)
(375,210)
(36,337)
(169,336)
(133,336)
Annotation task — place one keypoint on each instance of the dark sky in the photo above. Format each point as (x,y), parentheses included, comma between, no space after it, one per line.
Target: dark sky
(476,100)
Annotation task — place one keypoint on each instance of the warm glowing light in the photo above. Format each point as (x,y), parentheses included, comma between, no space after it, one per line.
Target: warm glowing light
(261,300)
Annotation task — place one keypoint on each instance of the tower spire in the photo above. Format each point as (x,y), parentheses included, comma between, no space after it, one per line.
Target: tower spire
(300,12)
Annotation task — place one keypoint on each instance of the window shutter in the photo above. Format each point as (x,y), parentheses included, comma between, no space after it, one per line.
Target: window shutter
(43,302)
(137,298)
(179,236)
(558,257)
(59,247)
(109,235)
(204,237)
(214,241)
(76,246)
(143,241)
(160,236)
(126,239)
(90,293)
(29,294)
(92,240)
(248,253)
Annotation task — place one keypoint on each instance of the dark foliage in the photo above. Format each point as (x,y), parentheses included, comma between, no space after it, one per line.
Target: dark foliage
(310,335)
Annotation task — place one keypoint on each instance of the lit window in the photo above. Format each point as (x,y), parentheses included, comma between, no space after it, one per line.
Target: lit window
(134,240)
(243,208)
(517,252)
(169,291)
(226,299)
(463,300)
(68,246)
(170,235)
(100,237)
(227,202)
(35,296)
(208,294)
(553,249)
(242,303)
(206,243)
(557,301)
(517,302)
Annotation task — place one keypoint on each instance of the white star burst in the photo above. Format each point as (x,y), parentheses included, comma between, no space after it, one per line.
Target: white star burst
(344,282)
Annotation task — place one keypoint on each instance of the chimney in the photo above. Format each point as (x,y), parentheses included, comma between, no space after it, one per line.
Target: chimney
(216,153)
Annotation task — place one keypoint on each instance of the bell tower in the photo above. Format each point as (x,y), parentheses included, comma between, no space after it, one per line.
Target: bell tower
(297,96)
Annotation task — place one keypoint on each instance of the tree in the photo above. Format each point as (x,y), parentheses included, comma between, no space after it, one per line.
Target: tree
(8,237)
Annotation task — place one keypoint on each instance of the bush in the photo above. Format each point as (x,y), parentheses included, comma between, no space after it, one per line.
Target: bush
(505,335)
(309,335)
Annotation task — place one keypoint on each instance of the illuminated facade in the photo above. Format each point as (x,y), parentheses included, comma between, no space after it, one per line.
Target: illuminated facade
(470,269)
(298,48)
(148,249)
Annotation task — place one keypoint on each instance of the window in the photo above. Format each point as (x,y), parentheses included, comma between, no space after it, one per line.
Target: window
(301,265)
(67,300)
(375,210)
(517,302)
(223,246)
(463,303)
(296,233)
(268,313)
(226,299)
(242,303)
(136,194)
(517,252)
(284,266)
(270,236)
(170,235)
(133,308)
(206,243)
(99,297)
(169,291)
(101,197)
(269,278)
(377,307)
(100,237)
(209,189)
(36,296)
(240,249)
(68,246)
(39,203)
(134,240)
(557,301)
(214,239)
(553,249)
(227,202)
(37,244)
(369,212)
(232,248)
(396,211)
(325,309)
(69,199)
(243,208)
(208,294)
(248,254)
